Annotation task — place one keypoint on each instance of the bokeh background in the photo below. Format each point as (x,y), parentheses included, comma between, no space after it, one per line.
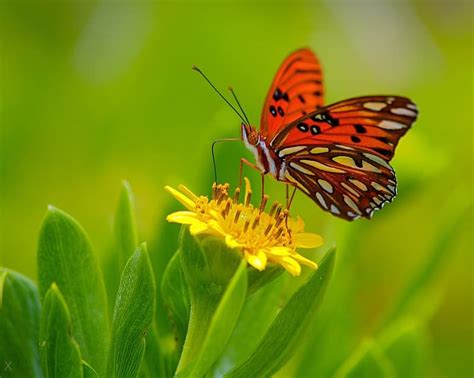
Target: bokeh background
(94,92)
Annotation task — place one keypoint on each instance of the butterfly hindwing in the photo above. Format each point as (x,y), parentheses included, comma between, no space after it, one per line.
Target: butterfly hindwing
(339,154)
(348,183)
(296,90)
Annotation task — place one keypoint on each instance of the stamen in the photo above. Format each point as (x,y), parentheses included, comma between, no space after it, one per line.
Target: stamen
(237,195)
(279,220)
(214,191)
(246,225)
(226,209)
(272,210)
(256,222)
(263,203)
(237,214)
(268,229)
(279,232)
(248,196)
(278,211)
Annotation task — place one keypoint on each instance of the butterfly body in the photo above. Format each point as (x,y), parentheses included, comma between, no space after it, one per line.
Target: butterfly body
(337,154)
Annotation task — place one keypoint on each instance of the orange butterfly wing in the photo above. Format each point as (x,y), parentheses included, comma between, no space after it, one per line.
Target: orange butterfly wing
(339,154)
(296,90)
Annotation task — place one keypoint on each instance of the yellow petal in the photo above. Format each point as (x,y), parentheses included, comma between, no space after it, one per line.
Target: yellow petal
(186,191)
(307,240)
(258,261)
(198,228)
(217,227)
(291,265)
(279,251)
(232,242)
(189,204)
(305,261)
(183,217)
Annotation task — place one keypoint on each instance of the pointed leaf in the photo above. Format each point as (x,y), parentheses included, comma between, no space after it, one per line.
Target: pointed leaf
(259,279)
(133,314)
(217,281)
(88,371)
(175,294)
(367,361)
(60,355)
(404,346)
(65,256)
(19,324)
(279,342)
(125,229)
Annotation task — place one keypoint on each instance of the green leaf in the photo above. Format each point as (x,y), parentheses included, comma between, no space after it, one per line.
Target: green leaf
(280,340)
(175,294)
(88,371)
(367,361)
(133,314)
(125,229)
(259,311)
(19,324)
(419,297)
(60,354)
(217,280)
(404,345)
(257,279)
(162,249)
(124,244)
(65,256)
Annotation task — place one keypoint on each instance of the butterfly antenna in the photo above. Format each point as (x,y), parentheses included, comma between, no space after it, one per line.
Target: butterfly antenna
(238,103)
(219,93)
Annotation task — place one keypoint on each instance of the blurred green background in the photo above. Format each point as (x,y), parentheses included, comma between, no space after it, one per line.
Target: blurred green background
(93,92)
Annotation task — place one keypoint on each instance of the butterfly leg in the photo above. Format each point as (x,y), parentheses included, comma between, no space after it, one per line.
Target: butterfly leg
(289,199)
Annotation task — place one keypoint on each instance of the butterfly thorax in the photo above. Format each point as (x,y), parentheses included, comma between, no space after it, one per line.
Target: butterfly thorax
(265,157)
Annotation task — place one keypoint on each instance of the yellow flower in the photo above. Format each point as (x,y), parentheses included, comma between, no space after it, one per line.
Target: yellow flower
(262,237)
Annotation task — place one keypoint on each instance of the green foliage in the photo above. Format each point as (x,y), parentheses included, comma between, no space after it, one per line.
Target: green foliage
(65,257)
(19,324)
(217,282)
(280,340)
(125,229)
(215,316)
(133,314)
(59,351)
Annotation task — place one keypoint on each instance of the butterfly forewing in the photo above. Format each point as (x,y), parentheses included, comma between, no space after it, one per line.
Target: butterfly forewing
(339,154)
(296,90)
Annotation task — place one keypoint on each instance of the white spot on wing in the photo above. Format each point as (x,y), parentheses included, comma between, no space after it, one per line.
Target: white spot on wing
(349,189)
(377,106)
(379,187)
(321,200)
(326,186)
(335,210)
(412,106)
(377,159)
(359,184)
(391,125)
(403,111)
(348,200)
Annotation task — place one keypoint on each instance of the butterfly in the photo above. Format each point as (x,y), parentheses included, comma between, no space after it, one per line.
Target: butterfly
(338,154)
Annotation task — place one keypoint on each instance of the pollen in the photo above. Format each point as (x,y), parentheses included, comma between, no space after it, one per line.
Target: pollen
(262,237)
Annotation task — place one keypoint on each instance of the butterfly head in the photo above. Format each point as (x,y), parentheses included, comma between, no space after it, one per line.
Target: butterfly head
(250,135)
